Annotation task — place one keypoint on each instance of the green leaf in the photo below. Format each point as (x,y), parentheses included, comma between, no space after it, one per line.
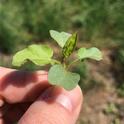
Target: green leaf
(92,53)
(69,45)
(38,54)
(59,76)
(60,37)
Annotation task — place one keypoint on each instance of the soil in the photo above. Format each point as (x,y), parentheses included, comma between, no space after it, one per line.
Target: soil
(98,99)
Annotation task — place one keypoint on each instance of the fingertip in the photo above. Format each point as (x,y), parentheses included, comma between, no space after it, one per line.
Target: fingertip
(68,99)
(56,106)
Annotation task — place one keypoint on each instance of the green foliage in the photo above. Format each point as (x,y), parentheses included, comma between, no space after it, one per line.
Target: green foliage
(93,53)
(69,45)
(59,73)
(86,81)
(38,54)
(120,90)
(116,121)
(111,108)
(120,56)
(118,70)
(60,38)
(11,27)
(26,21)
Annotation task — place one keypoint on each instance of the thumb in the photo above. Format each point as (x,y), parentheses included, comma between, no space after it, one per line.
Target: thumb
(55,106)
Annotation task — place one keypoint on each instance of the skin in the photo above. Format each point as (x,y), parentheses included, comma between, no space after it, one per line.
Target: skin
(28,98)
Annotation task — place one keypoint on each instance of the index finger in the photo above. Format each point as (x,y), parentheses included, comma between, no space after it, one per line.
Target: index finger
(17,86)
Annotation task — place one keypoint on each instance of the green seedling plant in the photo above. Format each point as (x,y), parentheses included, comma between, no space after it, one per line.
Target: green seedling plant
(58,73)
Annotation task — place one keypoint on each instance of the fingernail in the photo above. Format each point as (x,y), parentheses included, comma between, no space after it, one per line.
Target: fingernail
(68,99)
(65,101)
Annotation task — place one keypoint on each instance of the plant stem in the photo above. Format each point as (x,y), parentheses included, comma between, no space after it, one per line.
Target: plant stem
(73,62)
(56,61)
(62,59)
(63,62)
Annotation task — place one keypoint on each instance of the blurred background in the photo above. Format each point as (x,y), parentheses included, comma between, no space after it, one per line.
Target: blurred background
(99,23)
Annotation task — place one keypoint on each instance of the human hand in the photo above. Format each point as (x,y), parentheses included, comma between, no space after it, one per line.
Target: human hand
(27,98)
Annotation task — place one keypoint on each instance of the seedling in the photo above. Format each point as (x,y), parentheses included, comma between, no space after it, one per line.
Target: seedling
(59,73)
